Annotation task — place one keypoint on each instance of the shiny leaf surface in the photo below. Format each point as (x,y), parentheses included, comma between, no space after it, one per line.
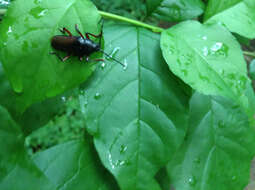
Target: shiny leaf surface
(136,110)
(210,63)
(176,10)
(218,149)
(25,46)
(237,15)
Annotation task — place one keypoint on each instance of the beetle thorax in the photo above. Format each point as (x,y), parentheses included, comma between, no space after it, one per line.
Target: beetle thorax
(87,46)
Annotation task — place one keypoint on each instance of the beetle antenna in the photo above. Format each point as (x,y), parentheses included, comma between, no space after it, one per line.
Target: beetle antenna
(101,34)
(112,58)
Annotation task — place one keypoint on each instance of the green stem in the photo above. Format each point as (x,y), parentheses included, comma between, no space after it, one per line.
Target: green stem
(120,18)
(131,21)
(2,11)
(252,54)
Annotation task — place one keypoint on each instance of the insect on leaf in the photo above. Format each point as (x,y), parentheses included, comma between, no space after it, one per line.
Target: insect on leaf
(137,114)
(25,47)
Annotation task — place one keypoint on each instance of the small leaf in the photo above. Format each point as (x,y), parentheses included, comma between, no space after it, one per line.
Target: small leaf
(218,149)
(237,15)
(25,46)
(176,10)
(140,118)
(17,169)
(74,165)
(212,64)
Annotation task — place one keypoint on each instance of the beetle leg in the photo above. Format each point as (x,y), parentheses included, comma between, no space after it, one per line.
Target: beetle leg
(66,57)
(96,36)
(61,59)
(77,30)
(93,60)
(64,30)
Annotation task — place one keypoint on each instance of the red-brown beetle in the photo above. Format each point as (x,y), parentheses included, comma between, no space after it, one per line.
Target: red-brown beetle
(78,45)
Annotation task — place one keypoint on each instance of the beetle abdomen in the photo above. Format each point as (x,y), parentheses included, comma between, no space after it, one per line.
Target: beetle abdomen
(64,43)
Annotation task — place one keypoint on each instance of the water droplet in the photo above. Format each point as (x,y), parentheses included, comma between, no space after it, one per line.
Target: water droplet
(9,30)
(205,51)
(219,49)
(103,65)
(125,64)
(42,13)
(123,148)
(97,96)
(234,178)
(216,46)
(120,163)
(204,37)
(113,53)
(38,12)
(63,98)
(5,44)
(111,161)
(192,181)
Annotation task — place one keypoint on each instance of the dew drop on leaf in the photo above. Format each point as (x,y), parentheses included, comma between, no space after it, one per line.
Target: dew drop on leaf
(125,64)
(205,51)
(97,96)
(9,30)
(63,98)
(192,181)
(123,148)
(204,37)
(113,53)
(103,65)
(111,161)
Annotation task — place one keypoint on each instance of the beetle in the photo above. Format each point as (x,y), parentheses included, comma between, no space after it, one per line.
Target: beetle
(78,45)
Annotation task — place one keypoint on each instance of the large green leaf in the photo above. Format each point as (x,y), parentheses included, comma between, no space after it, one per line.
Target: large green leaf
(35,116)
(137,114)
(237,15)
(218,149)
(17,169)
(74,165)
(176,10)
(25,46)
(210,63)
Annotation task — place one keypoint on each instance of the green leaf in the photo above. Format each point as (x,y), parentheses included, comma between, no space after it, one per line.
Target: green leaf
(36,115)
(210,63)
(74,165)
(137,114)
(218,149)
(176,10)
(17,169)
(25,46)
(237,15)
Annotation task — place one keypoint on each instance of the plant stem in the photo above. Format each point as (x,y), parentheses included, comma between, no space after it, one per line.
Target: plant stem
(2,11)
(252,54)
(135,22)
